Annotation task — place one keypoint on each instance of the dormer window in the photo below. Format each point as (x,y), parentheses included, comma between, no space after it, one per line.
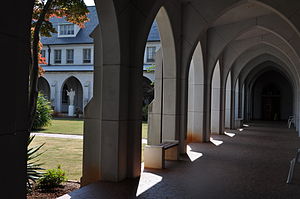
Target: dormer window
(67,30)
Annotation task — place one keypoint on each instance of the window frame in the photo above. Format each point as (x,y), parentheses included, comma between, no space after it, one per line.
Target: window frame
(57,61)
(64,30)
(70,60)
(89,55)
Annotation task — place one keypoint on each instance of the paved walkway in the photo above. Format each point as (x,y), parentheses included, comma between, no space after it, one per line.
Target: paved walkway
(252,163)
(80,137)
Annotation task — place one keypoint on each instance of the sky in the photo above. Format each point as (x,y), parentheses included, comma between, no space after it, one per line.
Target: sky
(89,2)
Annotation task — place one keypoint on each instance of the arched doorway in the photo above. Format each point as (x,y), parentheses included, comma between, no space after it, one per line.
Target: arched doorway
(44,87)
(74,84)
(270,106)
(272,97)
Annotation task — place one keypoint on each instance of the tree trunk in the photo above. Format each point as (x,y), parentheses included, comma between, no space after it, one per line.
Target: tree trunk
(34,70)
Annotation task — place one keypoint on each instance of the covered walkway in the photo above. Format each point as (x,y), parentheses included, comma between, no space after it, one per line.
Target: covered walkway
(249,163)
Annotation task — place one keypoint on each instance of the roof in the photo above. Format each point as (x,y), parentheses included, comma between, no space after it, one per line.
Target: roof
(154,33)
(83,36)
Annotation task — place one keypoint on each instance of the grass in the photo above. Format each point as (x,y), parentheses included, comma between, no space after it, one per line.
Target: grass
(67,152)
(144,130)
(75,127)
(65,126)
(64,152)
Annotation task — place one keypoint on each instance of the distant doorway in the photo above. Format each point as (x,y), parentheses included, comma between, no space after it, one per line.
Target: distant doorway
(271,103)
(74,84)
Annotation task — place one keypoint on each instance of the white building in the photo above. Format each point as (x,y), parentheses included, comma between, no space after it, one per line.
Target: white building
(69,55)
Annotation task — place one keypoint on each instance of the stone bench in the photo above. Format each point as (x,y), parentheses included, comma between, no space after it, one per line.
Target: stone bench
(293,163)
(155,155)
(291,121)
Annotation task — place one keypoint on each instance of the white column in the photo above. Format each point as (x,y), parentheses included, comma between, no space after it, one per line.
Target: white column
(228,101)
(53,98)
(215,101)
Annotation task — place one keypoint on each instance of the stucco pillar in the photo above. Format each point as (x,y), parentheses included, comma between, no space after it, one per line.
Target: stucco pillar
(216,101)
(86,93)
(195,98)
(241,102)
(15,59)
(207,110)
(297,110)
(232,106)
(54,100)
(228,101)
(163,116)
(155,108)
(222,106)
(195,112)
(112,127)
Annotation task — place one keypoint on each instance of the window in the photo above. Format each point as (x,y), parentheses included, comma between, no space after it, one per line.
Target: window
(70,56)
(86,55)
(151,53)
(43,53)
(57,56)
(66,29)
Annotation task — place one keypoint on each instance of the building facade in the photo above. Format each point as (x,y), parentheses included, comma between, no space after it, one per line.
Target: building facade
(69,54)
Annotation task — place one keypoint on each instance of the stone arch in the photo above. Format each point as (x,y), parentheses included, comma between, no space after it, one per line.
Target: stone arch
(195,110)
(74,84)
(257,60)
(44,87)
(102,113)
(284,97)
(228,91)
(280,44)
(256,51)
(163,117)
(270,53)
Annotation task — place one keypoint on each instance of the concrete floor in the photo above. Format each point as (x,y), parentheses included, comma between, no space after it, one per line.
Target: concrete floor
(252,164)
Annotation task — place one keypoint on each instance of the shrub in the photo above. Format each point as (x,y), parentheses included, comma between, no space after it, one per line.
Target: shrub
(52,178)
(43,114)
(34,169)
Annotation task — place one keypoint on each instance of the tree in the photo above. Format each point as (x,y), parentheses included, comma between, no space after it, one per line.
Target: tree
(74,11)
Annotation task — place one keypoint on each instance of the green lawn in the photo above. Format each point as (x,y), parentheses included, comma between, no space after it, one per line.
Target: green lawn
(144,130)
(66,152)
(75,127)
(65,126)
(61,151)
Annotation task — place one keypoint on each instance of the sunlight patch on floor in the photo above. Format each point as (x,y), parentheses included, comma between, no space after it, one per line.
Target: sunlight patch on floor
(193,155)
(147,180)
(229,134)
(216,142)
